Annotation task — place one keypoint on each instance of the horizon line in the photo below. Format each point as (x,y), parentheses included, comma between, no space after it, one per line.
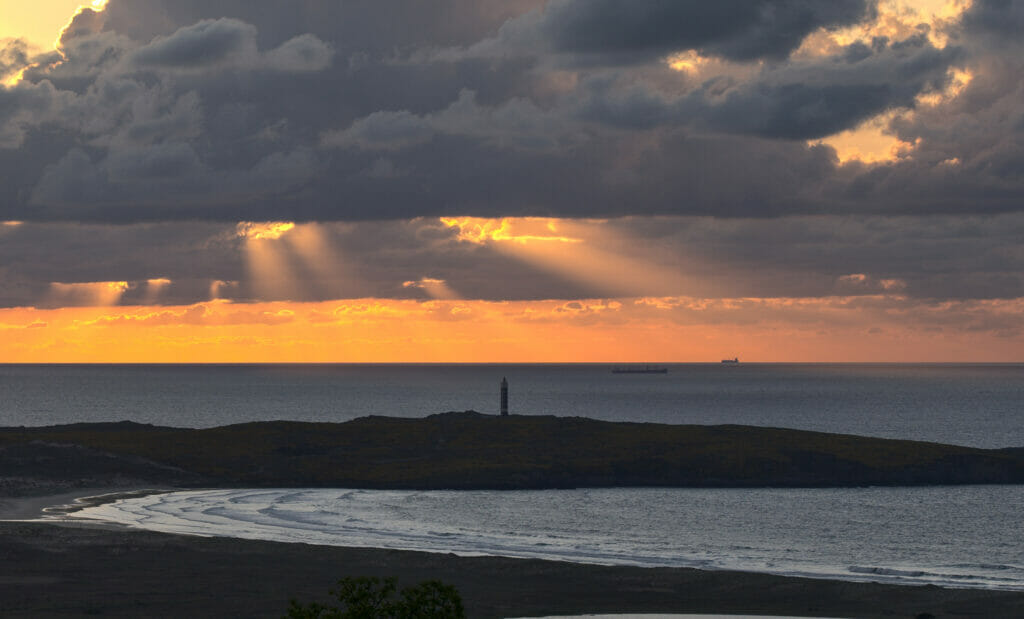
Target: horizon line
(485,363)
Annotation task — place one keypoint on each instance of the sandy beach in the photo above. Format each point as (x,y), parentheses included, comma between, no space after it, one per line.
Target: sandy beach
(68,569)
(36,506)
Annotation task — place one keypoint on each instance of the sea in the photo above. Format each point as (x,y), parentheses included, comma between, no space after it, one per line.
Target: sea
(979,405)
(962,536)
(965,536)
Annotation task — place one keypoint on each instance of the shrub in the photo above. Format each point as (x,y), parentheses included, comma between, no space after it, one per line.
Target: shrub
(373,598)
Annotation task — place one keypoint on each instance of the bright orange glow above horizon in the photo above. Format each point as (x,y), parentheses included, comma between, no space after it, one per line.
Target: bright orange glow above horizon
(648,329)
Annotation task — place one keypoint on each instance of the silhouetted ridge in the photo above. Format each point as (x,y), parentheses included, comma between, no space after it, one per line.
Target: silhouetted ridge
(98,426)
(460,415)
(465,450)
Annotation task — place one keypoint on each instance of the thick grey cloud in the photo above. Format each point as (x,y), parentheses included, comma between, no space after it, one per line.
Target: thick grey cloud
(800,100)
(734,29)
(241,110)
(612,32)
(204,44)
(14,56)
(211,44)
(999,18)
(818,101)
(166,174)
(924,258)
(25,106)
(933,257)
(366,26)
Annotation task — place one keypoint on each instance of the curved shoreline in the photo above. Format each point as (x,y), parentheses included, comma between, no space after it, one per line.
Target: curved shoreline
(81,569)
(95,500)
(54,505)
(65,513)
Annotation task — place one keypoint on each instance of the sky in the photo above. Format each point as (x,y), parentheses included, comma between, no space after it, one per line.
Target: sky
(511,181)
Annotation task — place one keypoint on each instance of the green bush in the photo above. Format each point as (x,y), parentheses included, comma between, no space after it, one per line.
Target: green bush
(373,598)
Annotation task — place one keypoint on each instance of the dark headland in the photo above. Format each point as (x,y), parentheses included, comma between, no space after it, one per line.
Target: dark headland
(82,570)
(474,451)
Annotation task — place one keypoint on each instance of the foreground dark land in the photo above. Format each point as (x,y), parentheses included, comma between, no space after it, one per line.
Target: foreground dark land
(470,450)
(51,570)
(67,571)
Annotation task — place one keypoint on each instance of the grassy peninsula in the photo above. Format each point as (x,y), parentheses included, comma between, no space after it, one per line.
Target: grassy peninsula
(470,450)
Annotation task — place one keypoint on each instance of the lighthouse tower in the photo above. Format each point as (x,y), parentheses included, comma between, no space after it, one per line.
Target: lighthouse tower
(504,397)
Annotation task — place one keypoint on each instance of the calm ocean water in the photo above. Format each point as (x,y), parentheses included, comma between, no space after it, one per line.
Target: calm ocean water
(968,536)
(977,405)
(960,536)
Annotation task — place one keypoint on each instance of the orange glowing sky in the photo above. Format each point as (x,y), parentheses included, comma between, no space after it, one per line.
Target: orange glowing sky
(674,329)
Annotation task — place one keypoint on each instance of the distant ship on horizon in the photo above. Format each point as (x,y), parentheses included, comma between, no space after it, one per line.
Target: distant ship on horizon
(647,369)
(732,361)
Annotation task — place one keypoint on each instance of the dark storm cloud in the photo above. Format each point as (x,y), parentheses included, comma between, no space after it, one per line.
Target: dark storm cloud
(734,29)
(164,175)
(14,56)
(822,100)
(933,257)
(207,43)
(923,258)
(35,255)
(215,43)
(968,154)
(243,110)
(801,100)
(1000,18)
(370,259)
(368,27)
(26,106)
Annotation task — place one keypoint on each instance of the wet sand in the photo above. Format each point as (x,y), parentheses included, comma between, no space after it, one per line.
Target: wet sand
(53,505)
(69,569)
